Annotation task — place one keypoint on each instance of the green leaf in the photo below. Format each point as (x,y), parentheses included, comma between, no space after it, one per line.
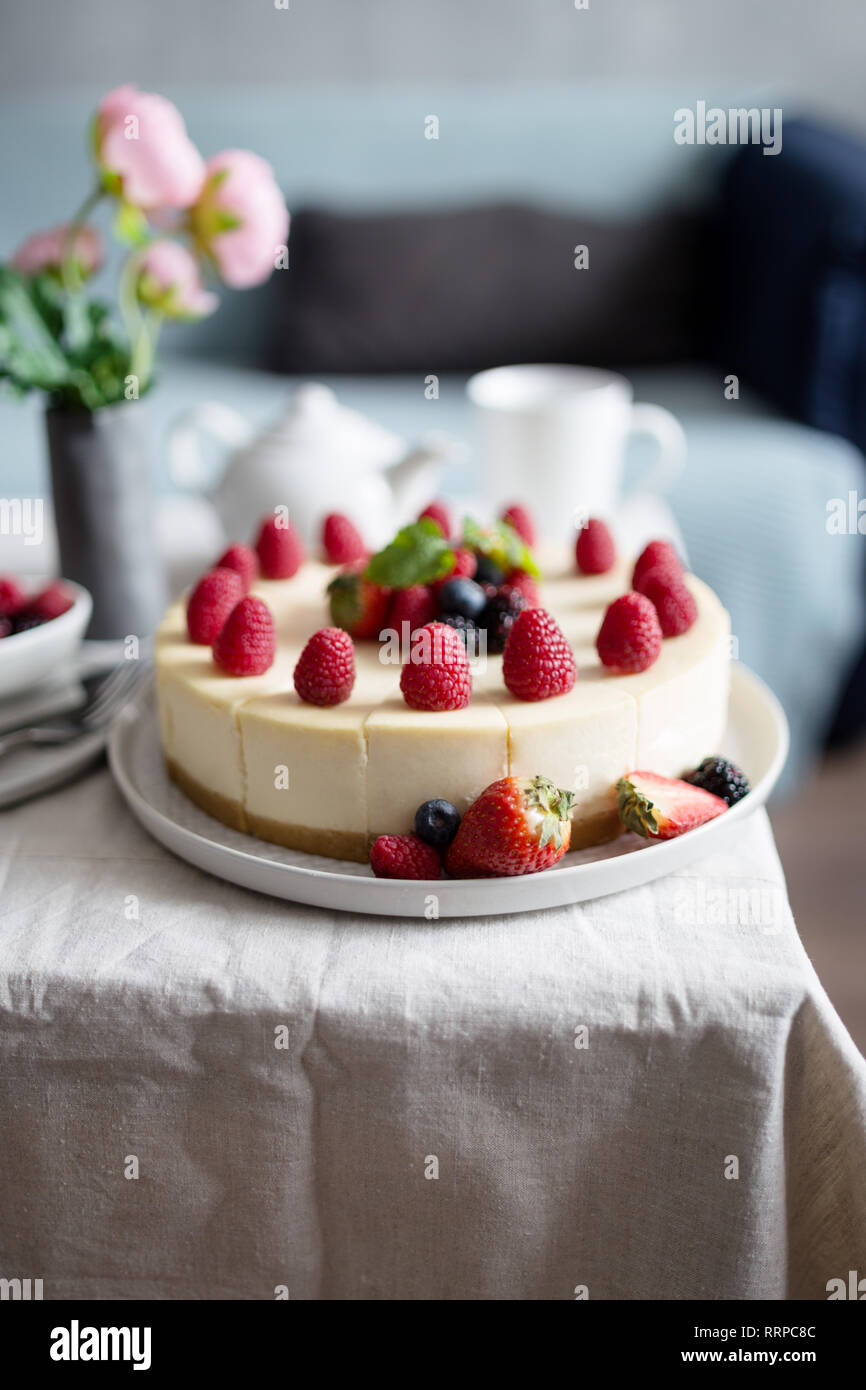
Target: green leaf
(501,543)
(417,555)
(29,352)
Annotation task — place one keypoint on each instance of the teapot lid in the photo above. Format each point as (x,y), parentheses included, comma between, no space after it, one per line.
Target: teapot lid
(316,422)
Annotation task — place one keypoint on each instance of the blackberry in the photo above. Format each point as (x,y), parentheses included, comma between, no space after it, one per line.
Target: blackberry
(720,777)
(487,571)
(25,621)
(5,627)
(499,614)
(467,627)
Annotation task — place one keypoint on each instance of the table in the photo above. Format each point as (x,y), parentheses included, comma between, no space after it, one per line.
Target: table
(210,1094)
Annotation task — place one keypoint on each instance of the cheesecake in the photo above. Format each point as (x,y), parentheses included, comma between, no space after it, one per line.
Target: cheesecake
(328,781)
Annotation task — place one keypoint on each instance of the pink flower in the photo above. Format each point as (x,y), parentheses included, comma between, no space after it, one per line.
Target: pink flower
(144,150)
(47,250)
(169,280)
(240,218)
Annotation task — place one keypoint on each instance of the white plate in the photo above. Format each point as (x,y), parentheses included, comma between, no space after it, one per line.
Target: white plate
(28,657)
(757,738)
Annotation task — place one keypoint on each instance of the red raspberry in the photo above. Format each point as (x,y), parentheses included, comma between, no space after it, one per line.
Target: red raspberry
(538,661)
(210,603)
(279,548)
(247,643)
(594,551)
(325,670)
(465,565)
(244,560)
(51,603)
(656,555)
(674,603)
(438,512)
(630,637)
(404,856)
(12,597)
(437,675)
(526,585)
(520,520)
(415,606)
(341,540)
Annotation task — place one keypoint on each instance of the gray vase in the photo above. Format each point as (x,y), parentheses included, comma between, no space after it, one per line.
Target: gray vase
(103,509)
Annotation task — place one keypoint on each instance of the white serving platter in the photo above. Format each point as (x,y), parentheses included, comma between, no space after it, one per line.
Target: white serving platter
(757,738)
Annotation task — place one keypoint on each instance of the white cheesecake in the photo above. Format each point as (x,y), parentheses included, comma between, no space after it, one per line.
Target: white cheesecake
(328,781)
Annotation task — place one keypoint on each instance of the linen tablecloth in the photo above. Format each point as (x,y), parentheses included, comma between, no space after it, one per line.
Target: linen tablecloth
(210,1094)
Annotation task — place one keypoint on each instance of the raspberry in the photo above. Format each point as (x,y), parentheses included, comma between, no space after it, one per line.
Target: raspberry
(404,856)
(519,519)
(279,548)
(630,636)
(341,540)
(51,603)
(538,661)
(526,585)
(210,603)
(325,671)
(438,512)
(246,644)
(415,606)
(673,602)
(437,675)
(465,565)
(594,551)
(244,561)
(656,555)
(12,597)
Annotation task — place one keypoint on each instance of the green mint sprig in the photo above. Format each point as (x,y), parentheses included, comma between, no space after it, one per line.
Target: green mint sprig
(418,554)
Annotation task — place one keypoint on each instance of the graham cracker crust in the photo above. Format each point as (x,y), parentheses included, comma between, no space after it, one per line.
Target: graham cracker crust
(595,830)
(222,808)
(334,844)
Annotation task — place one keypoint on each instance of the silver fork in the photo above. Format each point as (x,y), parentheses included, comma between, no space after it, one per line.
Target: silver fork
(103,704)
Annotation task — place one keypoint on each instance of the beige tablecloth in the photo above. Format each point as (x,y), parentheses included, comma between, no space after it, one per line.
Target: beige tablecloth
(646,1096)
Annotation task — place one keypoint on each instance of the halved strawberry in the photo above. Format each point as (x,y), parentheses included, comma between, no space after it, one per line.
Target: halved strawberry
(660,808)
(357,605)
(518,825)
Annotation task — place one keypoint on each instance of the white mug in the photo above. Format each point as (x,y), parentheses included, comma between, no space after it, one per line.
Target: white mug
(555,436)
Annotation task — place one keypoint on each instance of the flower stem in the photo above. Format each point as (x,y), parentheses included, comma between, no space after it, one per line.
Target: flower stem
(69,272)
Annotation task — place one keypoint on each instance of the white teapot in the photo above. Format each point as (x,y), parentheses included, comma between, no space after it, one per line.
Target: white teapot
(319,457)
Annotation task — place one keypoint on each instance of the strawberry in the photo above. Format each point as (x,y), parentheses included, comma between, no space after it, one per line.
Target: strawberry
(674,603)
(12,597)
(325,670)
(630,636)
(464,567)
(341,540)
(244,561)
(246,643)
(519,520)
(279,548)
(438,512)
(518,825)
(527,586)
(404,856)
(437,674)
(538,661)
(660,808)
(210,603)
(594,550)
(415,606)
(656,555)
(51,602)
(358,605)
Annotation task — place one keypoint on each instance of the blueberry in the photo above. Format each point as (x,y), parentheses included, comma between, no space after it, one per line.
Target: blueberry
(436,822)
(486,572)
(462,596)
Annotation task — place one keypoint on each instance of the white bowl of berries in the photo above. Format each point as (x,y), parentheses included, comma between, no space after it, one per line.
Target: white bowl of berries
(41,627)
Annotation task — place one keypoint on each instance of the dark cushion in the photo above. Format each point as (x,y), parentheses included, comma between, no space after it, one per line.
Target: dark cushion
(793,287)
(460,290)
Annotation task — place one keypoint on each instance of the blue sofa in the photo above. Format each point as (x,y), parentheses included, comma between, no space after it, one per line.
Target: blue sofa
(752,502)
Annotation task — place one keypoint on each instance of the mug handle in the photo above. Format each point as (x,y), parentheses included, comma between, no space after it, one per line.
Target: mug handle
(187,468)
(670,436)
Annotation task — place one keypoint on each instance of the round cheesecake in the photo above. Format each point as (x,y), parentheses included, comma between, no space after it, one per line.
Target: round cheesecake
(328,781)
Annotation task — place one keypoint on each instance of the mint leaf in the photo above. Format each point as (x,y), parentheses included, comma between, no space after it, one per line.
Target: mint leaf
(418,554)
(502,543)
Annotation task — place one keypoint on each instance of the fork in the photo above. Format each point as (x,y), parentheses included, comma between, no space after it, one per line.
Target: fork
(96,713)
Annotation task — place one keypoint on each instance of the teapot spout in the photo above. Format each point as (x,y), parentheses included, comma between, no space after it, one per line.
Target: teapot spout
(414,480)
